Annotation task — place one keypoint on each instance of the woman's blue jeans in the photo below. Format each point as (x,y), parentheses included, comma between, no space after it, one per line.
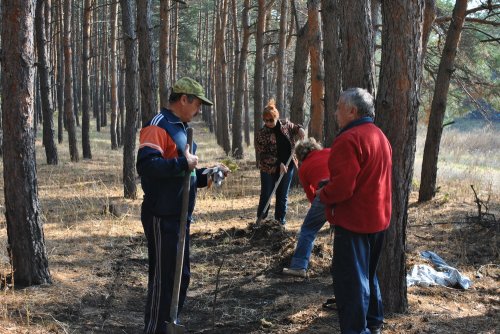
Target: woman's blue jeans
(267,182)
(314,221)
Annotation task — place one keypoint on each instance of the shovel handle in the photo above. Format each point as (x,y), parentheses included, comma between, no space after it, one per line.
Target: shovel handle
(174,306)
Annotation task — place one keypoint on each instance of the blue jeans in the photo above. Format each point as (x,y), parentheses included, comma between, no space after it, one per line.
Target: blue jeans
(355,283)
(314,221)
(267,182)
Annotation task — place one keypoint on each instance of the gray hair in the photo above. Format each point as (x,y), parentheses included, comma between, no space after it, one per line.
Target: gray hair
(306,146)
(361,99)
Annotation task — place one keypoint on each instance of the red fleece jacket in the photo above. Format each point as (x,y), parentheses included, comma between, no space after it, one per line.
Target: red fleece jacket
(358,196)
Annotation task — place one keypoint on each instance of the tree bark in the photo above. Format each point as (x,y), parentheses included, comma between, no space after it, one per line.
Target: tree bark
(222,89)
(333,67)
(281,57)
(149,106)
(258,78)
(297,114)
(164,48)
(87,14)
(237,150)
(358,64)
(129,133)
(43,72)
(397,108)
(317,72)
(68,84)
(114,76)
(26,242)
(439,101)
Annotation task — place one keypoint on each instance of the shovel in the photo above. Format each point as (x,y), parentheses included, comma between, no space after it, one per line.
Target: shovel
(173,327)
(259,219)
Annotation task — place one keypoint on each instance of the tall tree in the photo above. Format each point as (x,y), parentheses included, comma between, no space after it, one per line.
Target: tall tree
(60,71)
(281,59)
(297,114)
(333,66)
(439,101)
(163,80)
(397,108)
(147,78)
(68,84)
(317,72)
(129,133)
(358,61)
(22,208)
(44,80)
(240,88)
(114,75)
(221,88)
(258,77)
(87,16)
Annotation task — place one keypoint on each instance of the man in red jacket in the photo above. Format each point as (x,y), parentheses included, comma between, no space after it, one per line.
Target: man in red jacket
(357,202)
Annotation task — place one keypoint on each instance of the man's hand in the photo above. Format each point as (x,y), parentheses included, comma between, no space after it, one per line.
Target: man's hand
(192,159)
(283,168)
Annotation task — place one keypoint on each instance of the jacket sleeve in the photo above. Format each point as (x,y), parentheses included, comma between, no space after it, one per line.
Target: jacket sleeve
(344,166)
(157,155)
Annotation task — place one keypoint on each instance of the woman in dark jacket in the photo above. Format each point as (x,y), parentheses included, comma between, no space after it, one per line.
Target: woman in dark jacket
(275,143)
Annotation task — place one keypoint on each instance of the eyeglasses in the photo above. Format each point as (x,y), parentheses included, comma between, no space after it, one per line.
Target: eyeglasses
(268,120)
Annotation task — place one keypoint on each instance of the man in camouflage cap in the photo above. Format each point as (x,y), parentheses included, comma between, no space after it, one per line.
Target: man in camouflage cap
(189,86)
(162,161)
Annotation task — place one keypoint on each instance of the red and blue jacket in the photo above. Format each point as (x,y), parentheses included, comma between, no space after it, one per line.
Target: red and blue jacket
(358,195)
(161,164)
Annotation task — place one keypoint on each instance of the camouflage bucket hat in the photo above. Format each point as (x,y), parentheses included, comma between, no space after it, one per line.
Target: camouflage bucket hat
(189,86)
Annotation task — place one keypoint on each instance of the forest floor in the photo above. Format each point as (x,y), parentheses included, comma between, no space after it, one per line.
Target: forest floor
(98,256)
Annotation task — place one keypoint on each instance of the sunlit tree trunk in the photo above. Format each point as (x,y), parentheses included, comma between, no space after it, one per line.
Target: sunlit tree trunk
(129,133)
(258,77)
(281,59)
(68,84)
(43,72)
(397,108)
(439,101)
(87,14)
(317,72)
(164,48)
(221,88)
(358,61)
(149,106)
(114,75)
(240,88)
(333,67)
(23,215)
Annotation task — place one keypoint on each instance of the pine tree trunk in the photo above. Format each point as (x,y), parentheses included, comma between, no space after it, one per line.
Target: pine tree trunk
(114,76)
(281,59)
(333,68)
(68,84)
(397,108)
(439,101)
(164,48)
(129,133)
(87,14)
(149,106)
(317,71)
(297,114)
(43,72)
(23,215)
(258,77)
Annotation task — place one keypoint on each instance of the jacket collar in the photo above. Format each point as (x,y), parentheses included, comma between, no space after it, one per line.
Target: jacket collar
(359,121)
(170,116)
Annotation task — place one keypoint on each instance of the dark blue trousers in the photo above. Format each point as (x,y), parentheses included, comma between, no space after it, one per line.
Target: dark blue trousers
(355,283)
(162,236)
